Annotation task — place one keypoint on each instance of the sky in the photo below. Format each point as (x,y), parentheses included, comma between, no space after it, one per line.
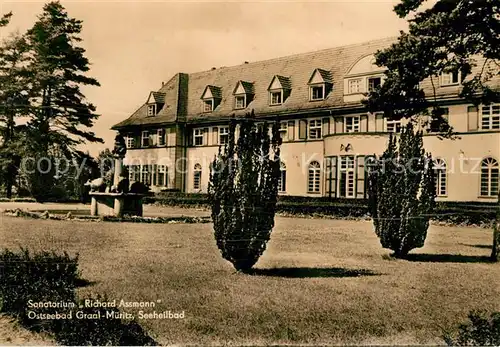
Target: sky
(134,46)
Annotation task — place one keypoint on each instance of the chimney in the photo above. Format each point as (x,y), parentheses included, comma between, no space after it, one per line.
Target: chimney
(214,68)
(246,62)
(162,83)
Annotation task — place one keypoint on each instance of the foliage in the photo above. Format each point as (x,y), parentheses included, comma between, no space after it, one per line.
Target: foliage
(479,331)
(243,191)
(106,162)
(448,36)
(402,193)
(39,277)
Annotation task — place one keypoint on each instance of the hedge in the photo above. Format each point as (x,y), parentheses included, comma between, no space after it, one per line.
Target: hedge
(457,213)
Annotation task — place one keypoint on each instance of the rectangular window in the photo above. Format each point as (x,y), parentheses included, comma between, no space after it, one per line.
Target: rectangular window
(223,135)
(355,86)
(160,137)
(490,117)
(346,179)
(198,137)
(393,126)
(315,129)
(282,181)
(450,78)
(145,139)
(374,83)
(240,102)
(130,141)
(317,92)
(283,130)
(162,175)
(208,105)
(151,110)
(146,175)
(134,173)
(352,124)
(276,97)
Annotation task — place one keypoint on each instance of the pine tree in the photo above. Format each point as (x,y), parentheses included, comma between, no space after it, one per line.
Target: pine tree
(13,102)
(243,191)
(402,193)
(59,113)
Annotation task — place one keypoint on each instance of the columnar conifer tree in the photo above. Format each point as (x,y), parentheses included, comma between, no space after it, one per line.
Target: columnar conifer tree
(402,193)
(243,191)
(446,36)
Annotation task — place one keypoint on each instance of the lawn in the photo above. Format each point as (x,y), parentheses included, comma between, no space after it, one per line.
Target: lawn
(319,282)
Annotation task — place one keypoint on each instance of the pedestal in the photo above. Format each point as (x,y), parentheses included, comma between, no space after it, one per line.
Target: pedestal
(116,204)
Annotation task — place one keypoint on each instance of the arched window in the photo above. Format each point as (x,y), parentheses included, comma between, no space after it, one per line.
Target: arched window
(489,177)
(440,179)
(313,185)
(197,177)
(282,178)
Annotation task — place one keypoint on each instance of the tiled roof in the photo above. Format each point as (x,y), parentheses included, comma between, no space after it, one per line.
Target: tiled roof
(247,86)
(293,72)
(159,97)
(326,75)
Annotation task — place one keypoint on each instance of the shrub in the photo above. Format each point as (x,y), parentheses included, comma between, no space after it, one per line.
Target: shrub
(479,331)
(243,192)
(402,193)
(38,277)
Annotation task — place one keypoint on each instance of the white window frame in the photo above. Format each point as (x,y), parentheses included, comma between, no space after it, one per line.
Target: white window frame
(350,84)
(271,92)
(151,110)
(162,170)
(283,130)
(160,135)
(315,129)
(348,165)
(490,172)
(490,117)
(311,91)
(282,179)
(223,134)
(130,141)
(243,105)
(368,82)
(440,177)
(198,134)
(146,174)
(197,174)
(208,105)
(314,178)
(144,137)
(446,79)
(391,126)
(355,127)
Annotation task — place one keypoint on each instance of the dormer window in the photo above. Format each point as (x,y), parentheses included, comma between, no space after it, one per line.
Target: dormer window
(320,84)
(450,78)
(354,86)
(155,103)
(276,97)
(211,97)
(317,92)
(240,102)
(151,110)
(243,94)
(279,90)
(208,105)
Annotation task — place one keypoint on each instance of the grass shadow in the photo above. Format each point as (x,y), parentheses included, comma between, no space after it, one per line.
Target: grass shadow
(311,272)
(448,258)
(477,246)
(81,283)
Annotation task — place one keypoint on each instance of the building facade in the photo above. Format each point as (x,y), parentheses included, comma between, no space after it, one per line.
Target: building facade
(327,132)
